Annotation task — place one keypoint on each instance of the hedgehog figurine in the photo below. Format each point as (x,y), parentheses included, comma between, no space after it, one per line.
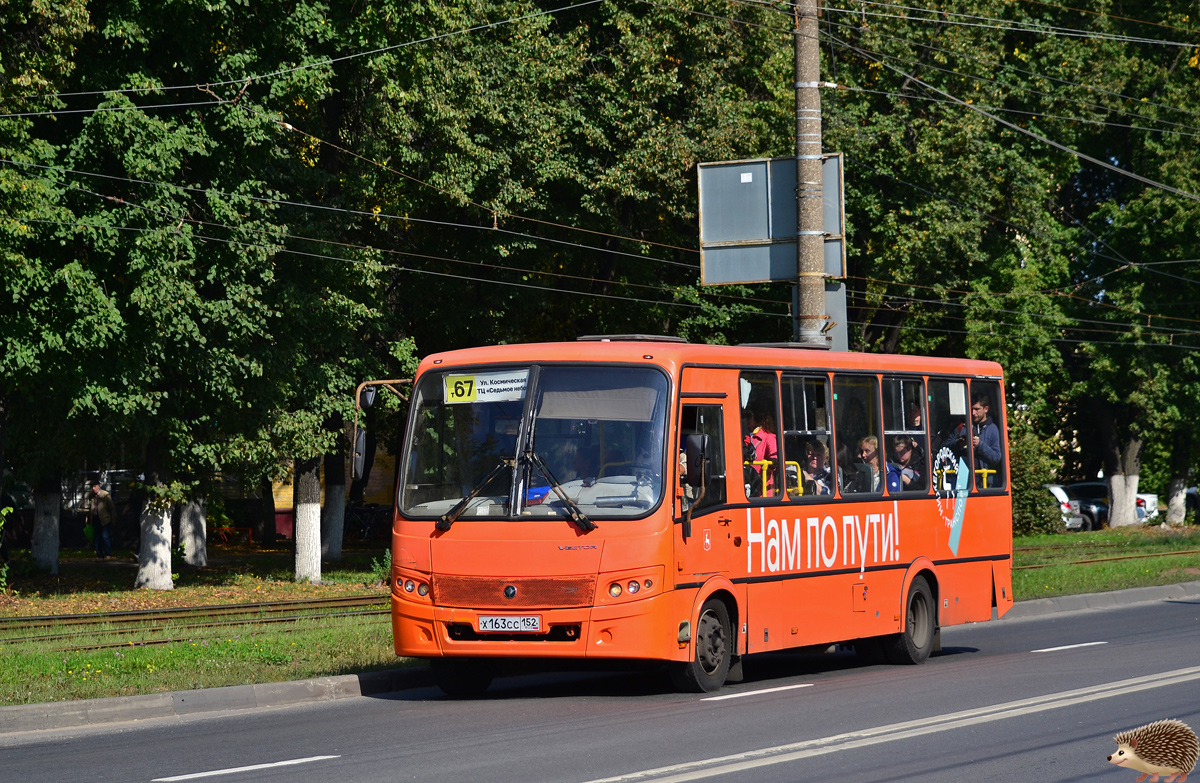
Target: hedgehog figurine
(1167,747)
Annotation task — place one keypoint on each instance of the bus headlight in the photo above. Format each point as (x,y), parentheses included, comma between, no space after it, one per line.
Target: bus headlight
(423,589)
(634,587)
(614,590)
(409,585)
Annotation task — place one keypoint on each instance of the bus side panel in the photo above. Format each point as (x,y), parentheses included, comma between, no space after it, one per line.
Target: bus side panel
(964,592)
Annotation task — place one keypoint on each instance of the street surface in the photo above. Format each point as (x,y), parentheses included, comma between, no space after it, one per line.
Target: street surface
(1032,699)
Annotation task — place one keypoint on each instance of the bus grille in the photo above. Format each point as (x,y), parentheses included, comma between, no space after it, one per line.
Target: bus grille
(487,592)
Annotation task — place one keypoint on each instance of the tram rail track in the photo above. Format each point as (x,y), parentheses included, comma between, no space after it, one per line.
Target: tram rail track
(164,626)
(1108,559)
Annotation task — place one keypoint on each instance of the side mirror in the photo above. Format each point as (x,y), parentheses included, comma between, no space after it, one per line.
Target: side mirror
(360,453)
(368,396)
(697,460)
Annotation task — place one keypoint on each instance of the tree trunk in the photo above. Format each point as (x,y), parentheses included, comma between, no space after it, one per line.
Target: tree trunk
(47,511)
(193,523)
(1122,493)
(1122,464)
(154,557)
(264,528)
(307,506)
(333,517)
(1177,487)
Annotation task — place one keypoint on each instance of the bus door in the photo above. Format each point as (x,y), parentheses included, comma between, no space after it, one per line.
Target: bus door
(708,547)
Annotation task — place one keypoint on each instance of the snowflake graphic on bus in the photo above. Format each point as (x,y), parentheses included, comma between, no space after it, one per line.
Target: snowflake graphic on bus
(953,483)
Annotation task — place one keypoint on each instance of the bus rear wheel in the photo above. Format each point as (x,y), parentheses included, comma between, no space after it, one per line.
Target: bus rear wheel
(462,678)
(914,644)
(713,644)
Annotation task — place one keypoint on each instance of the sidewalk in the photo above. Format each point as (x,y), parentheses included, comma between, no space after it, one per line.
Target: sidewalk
(74,714)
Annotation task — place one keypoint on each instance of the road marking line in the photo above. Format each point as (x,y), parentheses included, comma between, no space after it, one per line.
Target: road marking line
(1068,647)
(781,754)
(757,693)
(232,770)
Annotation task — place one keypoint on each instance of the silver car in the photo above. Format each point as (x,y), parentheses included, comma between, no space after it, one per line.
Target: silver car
(1068,506)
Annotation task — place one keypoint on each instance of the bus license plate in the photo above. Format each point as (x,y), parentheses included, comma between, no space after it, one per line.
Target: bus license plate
(510,624)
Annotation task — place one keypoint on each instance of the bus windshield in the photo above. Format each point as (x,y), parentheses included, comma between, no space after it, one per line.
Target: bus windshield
(595,434)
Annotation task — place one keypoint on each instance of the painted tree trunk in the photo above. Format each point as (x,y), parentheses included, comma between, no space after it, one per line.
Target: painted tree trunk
(1177,486)
(193,522)
(1122,462)
(47,509)
(154,556)
(333,516)
(1122,494)
(307,505)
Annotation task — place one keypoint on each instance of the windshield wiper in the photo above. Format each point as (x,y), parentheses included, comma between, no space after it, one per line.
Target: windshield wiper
(585,524)
(451,516)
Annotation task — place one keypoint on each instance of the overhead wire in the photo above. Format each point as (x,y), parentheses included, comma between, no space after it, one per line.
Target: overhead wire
(1033,114)
(1043,139)
(1027,337)
(320,63)
(1109,15)
(342,210)
(1027,72)
(393,267)
(998,24)
(183,218)
(1028,90)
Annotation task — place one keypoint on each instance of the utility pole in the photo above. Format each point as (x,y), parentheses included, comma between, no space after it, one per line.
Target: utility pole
(808,309)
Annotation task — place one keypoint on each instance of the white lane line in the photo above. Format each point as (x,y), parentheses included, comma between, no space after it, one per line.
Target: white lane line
(1068,647)
(251,768)
(781,754)
(757,693)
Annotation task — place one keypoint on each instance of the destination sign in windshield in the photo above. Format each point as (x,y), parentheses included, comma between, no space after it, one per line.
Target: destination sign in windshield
(486,386)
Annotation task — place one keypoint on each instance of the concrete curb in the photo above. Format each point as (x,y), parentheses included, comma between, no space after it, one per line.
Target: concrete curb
(90,712)
(1075,603)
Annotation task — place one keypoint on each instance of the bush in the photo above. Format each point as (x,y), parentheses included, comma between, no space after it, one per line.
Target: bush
(1033,466)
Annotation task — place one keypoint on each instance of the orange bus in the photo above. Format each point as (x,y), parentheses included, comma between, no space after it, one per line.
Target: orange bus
(639,497)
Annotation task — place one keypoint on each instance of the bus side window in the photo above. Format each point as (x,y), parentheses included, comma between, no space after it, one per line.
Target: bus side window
(807,462)
(987,435)
(904,431)
(761,470)
(950,435)
(703,420)
(860,453)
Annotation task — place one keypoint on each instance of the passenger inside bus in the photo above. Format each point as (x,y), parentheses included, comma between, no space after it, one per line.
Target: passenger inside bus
(761,453)
(909,462)
(870,474)
(818,479)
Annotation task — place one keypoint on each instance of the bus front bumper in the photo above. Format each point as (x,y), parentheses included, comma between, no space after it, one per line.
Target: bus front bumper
(647,628)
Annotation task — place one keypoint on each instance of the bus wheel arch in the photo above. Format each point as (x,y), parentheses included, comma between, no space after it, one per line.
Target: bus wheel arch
(918,636)
(713,646)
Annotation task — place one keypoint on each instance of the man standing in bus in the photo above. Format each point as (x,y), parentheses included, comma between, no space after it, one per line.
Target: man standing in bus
(985,437)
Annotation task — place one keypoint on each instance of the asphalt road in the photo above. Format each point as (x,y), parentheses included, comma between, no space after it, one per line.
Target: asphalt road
(996,705)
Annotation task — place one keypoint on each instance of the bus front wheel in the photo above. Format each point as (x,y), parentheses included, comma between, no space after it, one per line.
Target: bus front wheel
(462,678)
(914,644)
(709,666)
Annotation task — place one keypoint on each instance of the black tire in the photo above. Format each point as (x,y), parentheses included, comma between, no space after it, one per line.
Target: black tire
(713,644)
(1088,525)
(914,644)
(462,678)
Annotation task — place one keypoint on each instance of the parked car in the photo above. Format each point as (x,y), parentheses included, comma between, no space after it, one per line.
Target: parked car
(1093,503)
(1068,506)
